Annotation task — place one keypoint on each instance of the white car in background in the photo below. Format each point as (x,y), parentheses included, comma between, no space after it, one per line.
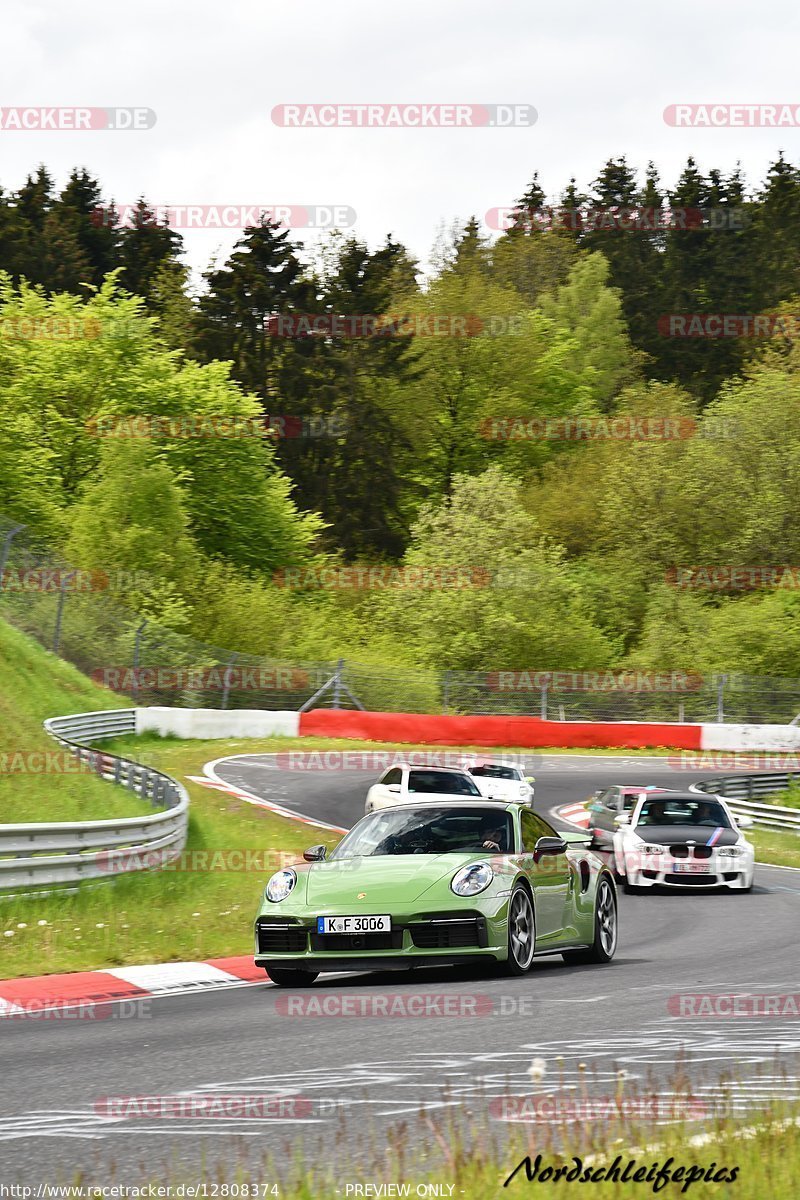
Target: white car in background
(502,781)
(683,839)
(403,784)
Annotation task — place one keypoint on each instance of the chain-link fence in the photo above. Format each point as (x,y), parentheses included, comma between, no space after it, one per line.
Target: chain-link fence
(76,615)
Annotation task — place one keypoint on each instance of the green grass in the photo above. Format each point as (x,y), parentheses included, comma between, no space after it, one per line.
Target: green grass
(36,783)
(790,798)
(776,847)
(475,1163)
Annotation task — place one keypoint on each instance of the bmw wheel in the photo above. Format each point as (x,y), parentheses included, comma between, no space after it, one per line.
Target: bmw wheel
(604,946)
(521,932)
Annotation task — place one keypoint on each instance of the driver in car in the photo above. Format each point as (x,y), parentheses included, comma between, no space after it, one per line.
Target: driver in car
(654,813)
(494,838)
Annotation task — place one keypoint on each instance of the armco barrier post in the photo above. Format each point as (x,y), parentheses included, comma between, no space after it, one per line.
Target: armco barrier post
(137,650)
(720,699)
(6,548)
(337,684)
(543,704)
(226,686)
(62,593)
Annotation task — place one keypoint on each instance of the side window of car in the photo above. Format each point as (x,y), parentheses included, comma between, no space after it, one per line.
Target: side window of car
(393,776)
(533,827)
(611,799)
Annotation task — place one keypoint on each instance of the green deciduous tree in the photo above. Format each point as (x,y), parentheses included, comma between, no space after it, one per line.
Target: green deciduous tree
(524,607)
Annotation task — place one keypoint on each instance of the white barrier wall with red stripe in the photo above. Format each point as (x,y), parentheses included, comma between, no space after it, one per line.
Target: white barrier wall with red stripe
(431,730)
(534,733)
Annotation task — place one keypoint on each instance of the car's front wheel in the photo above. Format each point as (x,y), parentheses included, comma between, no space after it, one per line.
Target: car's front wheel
(521,932)
(289,977)
(604,946)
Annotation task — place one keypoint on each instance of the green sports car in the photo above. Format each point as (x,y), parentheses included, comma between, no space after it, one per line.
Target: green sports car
(438,883)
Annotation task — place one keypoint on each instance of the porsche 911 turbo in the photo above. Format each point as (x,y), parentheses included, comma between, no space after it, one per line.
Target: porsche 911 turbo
(438,883)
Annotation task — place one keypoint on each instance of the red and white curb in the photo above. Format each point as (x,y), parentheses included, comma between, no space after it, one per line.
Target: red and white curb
(574,814)
(36,993)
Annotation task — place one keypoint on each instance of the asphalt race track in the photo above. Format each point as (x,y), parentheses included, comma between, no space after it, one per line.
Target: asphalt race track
(356,1073)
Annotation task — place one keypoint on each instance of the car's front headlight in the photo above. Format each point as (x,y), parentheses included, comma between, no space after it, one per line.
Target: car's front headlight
(471,880)
(646,848)
(280,885)
(731,851)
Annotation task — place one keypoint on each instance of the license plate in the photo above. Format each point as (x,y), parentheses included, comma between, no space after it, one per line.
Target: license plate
(691,868)
(354,924)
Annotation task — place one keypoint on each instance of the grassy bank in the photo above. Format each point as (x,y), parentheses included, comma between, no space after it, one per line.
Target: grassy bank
(38,780)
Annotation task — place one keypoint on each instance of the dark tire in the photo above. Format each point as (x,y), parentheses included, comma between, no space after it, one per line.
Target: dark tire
(604,946)
(290,977)
(521,932)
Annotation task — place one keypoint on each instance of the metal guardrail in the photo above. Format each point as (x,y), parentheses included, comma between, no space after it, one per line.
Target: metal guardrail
(66,852)
(734,789)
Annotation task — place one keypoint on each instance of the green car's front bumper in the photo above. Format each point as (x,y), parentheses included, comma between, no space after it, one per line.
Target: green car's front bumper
(436,938)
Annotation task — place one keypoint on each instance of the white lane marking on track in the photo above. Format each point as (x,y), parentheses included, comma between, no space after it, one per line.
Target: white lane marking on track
(210,771)
(473,1078)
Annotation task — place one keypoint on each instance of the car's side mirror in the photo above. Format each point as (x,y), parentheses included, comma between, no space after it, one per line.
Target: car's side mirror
(549,845)
(393,787)
(622,819)
(315,853)
(744,822)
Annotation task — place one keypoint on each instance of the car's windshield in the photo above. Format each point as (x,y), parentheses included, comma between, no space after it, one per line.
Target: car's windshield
(450,782)
(494,772)
(680,811)
(429,831)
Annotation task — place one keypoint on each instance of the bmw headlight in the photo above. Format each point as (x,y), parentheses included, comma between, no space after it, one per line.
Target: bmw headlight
(280,885)
(648,849)
(730,851)
(471,880)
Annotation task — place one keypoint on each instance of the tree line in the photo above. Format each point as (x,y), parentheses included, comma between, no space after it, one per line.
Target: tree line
(419,447)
